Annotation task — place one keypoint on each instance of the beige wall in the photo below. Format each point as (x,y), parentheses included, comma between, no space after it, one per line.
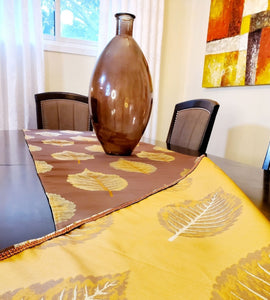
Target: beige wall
(242,129)
(68,72)
(173,66)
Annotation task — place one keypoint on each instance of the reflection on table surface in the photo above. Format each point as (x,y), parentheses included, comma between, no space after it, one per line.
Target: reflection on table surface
(24,205)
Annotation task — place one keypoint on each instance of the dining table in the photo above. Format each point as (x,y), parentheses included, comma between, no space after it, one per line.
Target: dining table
(76,223)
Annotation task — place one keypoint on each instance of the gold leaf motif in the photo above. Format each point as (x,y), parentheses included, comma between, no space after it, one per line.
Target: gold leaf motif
(107,287)
(180,186)
(84,138)
(95,181)
(185,172)
(133,166)
(42,166)
(70,132)
(249,279)
(156,156)
(34,148)
(157,148)
(206,217)
(95,148)
(70,155)
(58,142)
(47,133)
(29,137)
(62,209)
(84,233)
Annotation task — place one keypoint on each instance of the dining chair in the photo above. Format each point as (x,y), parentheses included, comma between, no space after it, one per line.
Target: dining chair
(191,126)
(62,110)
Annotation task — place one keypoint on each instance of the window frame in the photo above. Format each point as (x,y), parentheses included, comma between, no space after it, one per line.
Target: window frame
(67,45)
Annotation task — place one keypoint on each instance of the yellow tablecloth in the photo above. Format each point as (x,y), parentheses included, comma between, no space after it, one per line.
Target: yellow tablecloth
(200,239)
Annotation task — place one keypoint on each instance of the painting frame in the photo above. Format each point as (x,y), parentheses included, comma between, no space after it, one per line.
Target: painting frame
(238,44)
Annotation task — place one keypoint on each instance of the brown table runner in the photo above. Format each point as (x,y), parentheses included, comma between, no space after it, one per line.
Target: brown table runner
(81,181)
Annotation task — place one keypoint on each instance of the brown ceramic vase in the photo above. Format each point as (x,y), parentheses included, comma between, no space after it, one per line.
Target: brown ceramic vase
(120,95)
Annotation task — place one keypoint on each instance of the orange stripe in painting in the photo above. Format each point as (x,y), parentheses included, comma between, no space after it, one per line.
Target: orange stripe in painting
(263,72)
(236,18)
(219,19)
(225,19)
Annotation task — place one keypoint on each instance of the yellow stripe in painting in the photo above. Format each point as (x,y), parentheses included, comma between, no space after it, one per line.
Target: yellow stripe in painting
(241,68)
(229,74)
(213,70)
(234,69)
(224,69)
(245,24)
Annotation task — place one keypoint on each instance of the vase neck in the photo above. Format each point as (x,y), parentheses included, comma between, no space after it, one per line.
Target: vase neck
(124,23)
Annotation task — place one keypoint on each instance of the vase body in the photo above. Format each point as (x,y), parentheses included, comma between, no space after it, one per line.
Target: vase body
(120,95)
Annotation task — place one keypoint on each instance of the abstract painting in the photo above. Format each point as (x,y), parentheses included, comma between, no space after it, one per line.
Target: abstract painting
(238,44)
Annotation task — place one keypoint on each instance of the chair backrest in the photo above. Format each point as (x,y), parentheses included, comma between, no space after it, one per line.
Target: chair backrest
(192,124)
(62,110)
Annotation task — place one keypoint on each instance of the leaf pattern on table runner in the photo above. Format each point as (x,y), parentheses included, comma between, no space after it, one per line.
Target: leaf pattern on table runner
(206,217)
(133,166)
(158,148)
(95,148)
(185,172)
(79,287)
(249,279)
(48,133)
(34,148)
(85,232)
(42,166)
(58,142)
(71,132)
(62,208)
(71,155)
(95,181)
(180,186)
(29,137)
(84,138)
(155,156)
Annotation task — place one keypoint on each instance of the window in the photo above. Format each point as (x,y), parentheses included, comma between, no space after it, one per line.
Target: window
(70,25)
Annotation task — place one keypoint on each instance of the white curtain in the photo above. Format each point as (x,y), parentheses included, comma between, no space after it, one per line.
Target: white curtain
(21,62)
(147,31)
